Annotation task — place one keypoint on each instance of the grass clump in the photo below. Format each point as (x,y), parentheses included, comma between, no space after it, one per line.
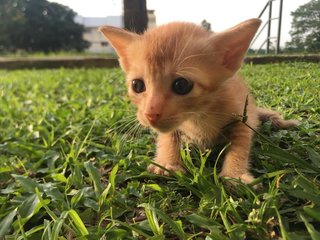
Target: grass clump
(73,167)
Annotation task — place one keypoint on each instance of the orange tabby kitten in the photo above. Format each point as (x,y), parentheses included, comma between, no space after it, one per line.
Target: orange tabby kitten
(184,82)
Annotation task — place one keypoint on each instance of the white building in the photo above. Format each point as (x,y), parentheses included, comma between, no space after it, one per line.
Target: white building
(98,43)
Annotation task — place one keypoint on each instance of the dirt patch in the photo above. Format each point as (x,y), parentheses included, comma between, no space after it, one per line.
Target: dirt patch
(95,62)
(282,58)
(61,62)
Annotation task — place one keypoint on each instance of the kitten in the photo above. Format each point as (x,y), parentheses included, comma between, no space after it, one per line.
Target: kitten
(184,82)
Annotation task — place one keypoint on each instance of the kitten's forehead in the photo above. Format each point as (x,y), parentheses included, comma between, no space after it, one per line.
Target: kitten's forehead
(171,43)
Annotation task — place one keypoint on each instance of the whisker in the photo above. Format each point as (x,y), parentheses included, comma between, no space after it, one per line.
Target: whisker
(194,56)
(123,123)
(126,127)
(128,134)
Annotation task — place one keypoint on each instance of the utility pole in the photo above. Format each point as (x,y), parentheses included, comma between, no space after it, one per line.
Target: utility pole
(135,15)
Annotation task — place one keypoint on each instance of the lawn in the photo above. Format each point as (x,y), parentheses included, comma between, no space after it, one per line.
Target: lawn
(73,163)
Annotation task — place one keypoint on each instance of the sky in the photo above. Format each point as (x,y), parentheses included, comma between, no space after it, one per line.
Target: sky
(222,14)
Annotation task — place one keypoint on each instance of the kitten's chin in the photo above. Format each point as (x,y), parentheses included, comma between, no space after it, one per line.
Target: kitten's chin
(162,128)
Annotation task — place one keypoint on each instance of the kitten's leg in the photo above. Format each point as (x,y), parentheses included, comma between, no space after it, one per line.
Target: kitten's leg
(236,161)
(168,154)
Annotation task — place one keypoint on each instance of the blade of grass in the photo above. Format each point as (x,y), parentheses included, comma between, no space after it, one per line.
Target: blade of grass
(202,221)
(26,183)
(283,231)
(95,176)
(30,206)
(132,228)
(270,175)
(175,225)
(112,177)
(313,212)
(314,234)
(21,229)
(58,225)
(279,154)
(152,219)
(45,205)
(31,232)
(6,223)
(78,222)
(81,147)
(47,232)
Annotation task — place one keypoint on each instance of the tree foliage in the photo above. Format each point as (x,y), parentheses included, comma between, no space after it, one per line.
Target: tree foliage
(305,31)
(206,25)
(38,25)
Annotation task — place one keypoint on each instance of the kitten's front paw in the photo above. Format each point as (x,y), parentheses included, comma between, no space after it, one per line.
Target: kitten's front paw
(174,167)
(246,178)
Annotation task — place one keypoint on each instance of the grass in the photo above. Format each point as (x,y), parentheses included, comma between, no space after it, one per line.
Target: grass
(72,166)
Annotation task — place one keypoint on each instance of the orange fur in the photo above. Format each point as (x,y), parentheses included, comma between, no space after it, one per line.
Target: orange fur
(209,113)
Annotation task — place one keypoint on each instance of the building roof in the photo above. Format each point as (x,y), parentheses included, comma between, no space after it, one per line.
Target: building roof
(115,21)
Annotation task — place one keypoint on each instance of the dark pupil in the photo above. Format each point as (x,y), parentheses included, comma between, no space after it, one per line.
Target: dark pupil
(182,86)
(138,85)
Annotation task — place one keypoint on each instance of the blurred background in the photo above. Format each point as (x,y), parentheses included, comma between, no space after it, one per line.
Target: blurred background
(71,26)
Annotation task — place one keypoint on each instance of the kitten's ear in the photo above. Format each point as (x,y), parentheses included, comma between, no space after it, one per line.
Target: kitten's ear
(119,39)
(235,42)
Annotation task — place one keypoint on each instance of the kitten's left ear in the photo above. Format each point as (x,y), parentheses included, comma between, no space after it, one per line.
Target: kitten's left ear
(235,41)
(119,39)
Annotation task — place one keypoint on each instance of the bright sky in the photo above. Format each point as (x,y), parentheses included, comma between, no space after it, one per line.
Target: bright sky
(221,14)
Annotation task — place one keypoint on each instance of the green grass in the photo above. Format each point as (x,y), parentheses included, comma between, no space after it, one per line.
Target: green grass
(72,166)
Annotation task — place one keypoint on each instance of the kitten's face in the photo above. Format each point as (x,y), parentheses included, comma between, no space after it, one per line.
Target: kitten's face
(173,71)
(168,76)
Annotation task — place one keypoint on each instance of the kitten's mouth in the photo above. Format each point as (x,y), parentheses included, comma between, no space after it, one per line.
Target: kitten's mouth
(163,125)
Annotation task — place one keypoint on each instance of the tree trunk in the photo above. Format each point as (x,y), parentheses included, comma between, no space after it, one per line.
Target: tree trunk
(135,15)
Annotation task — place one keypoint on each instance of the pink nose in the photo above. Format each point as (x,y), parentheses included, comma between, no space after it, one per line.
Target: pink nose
(153,117)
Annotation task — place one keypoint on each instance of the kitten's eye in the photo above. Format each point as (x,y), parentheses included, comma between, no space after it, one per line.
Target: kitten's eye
(138,86)
(182,86)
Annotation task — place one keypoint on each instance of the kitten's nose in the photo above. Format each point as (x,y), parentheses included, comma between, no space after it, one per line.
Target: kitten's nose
(153,117)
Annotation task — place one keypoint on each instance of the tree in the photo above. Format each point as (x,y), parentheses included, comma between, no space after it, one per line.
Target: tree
(38,25)
(305,31)
(206,25)
(135,15)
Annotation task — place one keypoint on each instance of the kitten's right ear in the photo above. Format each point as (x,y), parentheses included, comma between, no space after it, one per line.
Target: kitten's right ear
(119,39)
